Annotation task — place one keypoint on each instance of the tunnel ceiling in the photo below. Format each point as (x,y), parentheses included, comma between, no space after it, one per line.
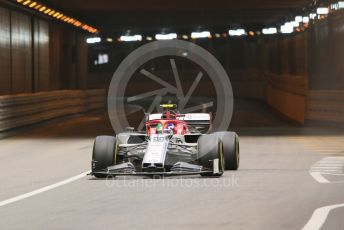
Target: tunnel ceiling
(110,15)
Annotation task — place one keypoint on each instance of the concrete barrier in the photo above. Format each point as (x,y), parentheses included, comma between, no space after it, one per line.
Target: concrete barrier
(325,106)
(287,94)
(25,109)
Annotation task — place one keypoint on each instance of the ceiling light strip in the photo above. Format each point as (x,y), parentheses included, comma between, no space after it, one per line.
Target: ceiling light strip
(34,5)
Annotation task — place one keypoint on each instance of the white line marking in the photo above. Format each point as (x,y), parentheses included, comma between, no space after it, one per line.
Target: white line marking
(333,174)
(327,166)
(44,189)
(317,168)
(318,177)
(337,161)
(319,217)
(327,170)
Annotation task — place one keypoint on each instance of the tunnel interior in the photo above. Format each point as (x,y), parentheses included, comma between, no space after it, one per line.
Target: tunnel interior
(63,54)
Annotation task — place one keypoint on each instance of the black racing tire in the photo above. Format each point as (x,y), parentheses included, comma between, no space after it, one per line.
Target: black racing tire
(210,148)
(231,153)
(103,154)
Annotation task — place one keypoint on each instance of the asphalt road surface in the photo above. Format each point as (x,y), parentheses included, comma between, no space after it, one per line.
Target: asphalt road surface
(286,174)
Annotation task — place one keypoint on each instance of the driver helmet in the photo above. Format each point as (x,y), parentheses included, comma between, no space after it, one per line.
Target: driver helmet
(170,126)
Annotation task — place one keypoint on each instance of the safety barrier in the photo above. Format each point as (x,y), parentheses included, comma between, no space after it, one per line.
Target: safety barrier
(26,109)
(287,94)
(325,106)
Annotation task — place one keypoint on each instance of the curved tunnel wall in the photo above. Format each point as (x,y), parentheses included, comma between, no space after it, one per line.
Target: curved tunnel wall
(318,59)
(38,54)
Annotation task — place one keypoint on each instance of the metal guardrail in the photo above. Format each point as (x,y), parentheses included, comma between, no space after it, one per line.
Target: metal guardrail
(26,109)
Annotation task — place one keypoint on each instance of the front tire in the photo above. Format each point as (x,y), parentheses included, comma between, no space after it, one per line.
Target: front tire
(230,142)
(103,154)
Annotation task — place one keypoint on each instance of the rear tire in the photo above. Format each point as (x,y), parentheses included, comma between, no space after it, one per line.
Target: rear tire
(210,148)
(103,154)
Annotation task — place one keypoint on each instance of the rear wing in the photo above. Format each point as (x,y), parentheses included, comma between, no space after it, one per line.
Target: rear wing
(195,118)
(199,121)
